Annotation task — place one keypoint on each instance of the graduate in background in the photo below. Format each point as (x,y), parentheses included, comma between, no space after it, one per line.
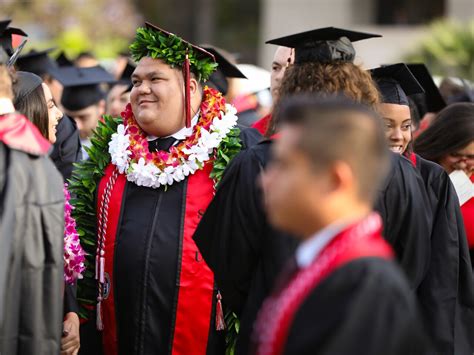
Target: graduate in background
(83,98)
(342,293)
(450,143)
(446,294)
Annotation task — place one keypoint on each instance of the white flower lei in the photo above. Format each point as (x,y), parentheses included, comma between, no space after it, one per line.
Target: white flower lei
(148,174)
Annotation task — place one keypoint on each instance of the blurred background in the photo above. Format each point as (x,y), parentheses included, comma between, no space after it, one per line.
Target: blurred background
(437,32)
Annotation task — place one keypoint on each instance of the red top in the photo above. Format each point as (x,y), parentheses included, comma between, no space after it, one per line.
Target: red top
(20,134)
(262,124)
(468,215)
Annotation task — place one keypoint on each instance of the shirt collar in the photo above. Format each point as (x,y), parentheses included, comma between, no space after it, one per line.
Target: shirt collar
(312,247)
(183,133)
(6,106)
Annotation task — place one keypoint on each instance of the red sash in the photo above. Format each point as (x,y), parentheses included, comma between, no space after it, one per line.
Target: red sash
(196,280)
(360,240)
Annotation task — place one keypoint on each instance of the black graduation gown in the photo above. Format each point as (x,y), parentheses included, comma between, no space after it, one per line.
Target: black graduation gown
(404,207)
(246,254)
(447,292)
(67,148)
(364,307)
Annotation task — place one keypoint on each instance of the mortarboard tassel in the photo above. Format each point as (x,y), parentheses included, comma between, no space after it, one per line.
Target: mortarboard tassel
(187,94)
(220,322)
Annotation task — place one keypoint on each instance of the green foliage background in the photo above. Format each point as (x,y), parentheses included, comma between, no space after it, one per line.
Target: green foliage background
(448,49)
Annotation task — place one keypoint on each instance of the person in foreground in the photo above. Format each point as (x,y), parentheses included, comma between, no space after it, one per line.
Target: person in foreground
(327,165)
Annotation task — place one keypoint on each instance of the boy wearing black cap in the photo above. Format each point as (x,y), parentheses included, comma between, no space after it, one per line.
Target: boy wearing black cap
(83,98)
(156,295)
(447,291)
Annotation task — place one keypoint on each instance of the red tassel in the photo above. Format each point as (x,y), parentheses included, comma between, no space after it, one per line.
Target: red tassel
(220,322)
(99,323)
(187,94)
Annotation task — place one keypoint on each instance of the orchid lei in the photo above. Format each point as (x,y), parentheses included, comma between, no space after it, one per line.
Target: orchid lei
(74,255)
(129,151)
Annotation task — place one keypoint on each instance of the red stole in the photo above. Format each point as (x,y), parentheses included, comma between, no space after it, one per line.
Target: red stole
(360,240)
(196,282)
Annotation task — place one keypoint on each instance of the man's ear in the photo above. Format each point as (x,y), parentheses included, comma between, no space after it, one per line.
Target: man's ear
(101,107)
(193,87)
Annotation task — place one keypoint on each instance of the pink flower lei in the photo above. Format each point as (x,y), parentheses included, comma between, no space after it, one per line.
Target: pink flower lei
(74,255)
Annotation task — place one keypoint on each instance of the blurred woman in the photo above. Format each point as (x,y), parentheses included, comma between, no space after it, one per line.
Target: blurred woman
(33,99)
(449,141)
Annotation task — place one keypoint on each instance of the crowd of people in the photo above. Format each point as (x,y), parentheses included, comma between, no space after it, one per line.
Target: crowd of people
(156,208)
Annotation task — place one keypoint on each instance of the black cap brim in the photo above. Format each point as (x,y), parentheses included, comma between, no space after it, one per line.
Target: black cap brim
(395,82)
(227,68)
(302,39)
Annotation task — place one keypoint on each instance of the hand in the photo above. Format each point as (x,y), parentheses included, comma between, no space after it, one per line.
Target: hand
(70,342)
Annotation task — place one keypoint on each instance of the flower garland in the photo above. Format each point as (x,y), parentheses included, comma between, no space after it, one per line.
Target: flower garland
(74,255)
(129,151)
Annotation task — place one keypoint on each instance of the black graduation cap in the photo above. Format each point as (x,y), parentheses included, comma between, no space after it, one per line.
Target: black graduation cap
(200,52)
(82,86)
(225,69)
(63,61)
(433,101)
(126,76)
(395,83)
(37,62)
(6,34)
(323,44)
(24,84)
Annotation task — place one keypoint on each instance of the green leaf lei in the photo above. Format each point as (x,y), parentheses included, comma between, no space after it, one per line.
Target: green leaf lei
(172,49)
(83,187)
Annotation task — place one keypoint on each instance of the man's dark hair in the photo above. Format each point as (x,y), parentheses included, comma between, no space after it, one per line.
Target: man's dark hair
(34,107)
(450,131)
(336,128)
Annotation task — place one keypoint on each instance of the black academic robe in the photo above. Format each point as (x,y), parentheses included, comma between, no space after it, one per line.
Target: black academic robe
(364,307)
(237,242)
(447,292)
(67,148)
(246,254)
(147,268)
(404,207)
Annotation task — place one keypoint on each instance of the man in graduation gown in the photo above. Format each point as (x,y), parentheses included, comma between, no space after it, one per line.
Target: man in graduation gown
(31,230)
(235,227)
(342,293)
(446,293)
(153,292)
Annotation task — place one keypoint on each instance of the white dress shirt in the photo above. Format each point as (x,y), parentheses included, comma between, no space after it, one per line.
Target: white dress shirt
(309,249)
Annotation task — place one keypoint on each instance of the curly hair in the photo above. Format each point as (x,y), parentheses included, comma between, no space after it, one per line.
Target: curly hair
(345,78)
